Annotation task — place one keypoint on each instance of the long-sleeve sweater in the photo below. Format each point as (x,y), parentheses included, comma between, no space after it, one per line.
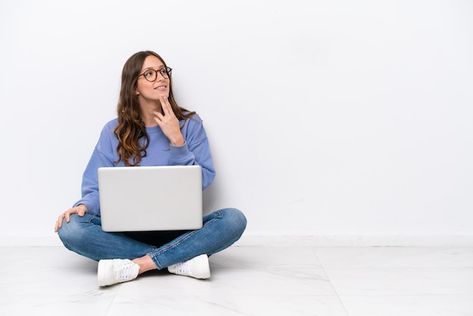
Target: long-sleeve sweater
(160,152)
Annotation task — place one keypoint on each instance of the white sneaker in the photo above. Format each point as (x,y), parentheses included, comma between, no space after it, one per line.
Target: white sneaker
(197,267)
(113,271)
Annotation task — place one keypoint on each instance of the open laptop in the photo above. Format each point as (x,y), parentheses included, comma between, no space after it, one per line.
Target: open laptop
(150,198)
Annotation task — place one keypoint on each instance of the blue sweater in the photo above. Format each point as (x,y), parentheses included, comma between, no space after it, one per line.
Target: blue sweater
(160,152)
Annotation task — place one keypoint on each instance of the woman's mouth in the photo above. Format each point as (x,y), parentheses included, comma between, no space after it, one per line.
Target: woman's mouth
(161,88)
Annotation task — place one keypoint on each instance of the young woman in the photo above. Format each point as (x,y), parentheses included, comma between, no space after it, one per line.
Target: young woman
(151,130)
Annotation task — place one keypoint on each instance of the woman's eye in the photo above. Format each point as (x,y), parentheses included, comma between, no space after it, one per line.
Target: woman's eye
(148,74)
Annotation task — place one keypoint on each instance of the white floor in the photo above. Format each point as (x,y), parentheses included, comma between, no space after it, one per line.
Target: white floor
(380,281)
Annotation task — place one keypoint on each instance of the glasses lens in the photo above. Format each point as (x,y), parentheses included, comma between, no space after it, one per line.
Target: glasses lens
(163,72)
(150,75)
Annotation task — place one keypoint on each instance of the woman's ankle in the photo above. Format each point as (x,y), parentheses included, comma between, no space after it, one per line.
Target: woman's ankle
(145,263)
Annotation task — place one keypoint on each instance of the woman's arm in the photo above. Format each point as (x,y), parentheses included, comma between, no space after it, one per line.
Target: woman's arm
(195,151)
(101,157)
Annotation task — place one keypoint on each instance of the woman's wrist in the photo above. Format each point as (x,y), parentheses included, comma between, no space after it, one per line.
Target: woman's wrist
(178,141)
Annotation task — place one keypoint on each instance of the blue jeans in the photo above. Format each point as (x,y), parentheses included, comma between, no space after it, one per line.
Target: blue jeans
(84,235)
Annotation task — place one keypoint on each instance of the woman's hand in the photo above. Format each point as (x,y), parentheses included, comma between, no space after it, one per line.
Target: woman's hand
(169,123)
(79,209)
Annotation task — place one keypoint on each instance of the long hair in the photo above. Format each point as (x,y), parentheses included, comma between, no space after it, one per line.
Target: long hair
(131,128)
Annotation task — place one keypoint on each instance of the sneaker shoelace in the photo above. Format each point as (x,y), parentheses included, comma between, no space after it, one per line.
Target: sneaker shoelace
(181,267)
(125,272)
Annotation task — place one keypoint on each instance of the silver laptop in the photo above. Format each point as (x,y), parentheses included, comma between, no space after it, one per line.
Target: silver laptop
(150,198)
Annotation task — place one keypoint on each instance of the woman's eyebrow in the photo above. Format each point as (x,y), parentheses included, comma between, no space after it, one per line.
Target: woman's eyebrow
(160,67)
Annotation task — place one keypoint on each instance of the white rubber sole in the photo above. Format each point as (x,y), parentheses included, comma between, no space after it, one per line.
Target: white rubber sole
(198,268)
(104,273)
(204,268)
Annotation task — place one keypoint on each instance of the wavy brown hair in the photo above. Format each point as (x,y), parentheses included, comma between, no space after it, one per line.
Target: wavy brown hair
(131,128)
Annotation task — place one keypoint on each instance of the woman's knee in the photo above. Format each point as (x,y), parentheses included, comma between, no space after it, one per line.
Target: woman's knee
(73,232)
(235,221)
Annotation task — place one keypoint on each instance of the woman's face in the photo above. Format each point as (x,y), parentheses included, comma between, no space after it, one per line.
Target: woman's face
(152,83)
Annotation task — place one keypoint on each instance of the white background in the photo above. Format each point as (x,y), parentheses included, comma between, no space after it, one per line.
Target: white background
(325,118)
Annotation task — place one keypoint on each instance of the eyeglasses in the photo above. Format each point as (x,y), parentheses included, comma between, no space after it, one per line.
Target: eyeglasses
(152,74)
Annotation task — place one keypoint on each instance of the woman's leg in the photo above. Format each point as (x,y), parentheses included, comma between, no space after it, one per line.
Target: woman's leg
(221,229)
(84,235)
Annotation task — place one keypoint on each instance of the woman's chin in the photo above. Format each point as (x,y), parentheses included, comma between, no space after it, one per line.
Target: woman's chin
(163,94)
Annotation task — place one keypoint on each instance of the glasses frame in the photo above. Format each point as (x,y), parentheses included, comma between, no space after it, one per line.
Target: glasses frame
(167,73)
